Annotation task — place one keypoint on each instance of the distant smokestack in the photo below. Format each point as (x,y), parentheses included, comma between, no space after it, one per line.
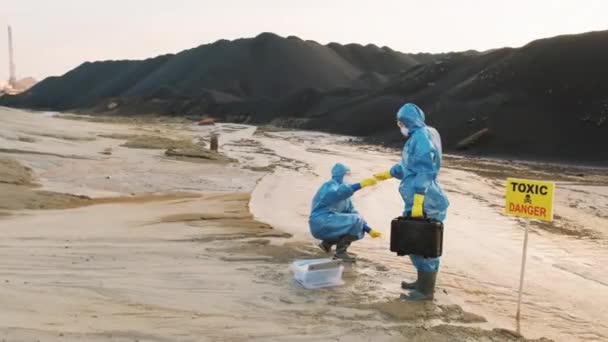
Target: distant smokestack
(12,80)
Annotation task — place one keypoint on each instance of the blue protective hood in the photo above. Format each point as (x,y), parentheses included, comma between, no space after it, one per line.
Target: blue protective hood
(338,172)
(411,116)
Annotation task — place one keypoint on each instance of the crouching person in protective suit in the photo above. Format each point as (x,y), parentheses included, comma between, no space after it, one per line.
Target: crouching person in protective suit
(333,219)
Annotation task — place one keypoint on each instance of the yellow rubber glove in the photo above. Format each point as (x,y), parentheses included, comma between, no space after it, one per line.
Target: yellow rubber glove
(368,182)
(417,209)
(382,176)
(375,234)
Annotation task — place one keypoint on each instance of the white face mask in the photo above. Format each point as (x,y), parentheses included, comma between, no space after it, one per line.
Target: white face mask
(347,177)
(404,131)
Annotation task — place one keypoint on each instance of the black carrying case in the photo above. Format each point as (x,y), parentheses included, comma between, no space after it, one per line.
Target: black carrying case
(417,236)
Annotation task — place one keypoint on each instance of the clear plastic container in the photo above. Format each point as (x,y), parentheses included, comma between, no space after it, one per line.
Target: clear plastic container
(315,279)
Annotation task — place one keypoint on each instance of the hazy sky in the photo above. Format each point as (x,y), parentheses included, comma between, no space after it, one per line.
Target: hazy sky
(54,36)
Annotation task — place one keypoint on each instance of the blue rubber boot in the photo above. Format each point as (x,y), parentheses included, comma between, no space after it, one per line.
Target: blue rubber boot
(341,249)
(411,286)
(326,245)
(425,289)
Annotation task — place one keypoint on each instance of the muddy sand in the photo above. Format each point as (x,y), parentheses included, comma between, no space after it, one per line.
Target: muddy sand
(133,245)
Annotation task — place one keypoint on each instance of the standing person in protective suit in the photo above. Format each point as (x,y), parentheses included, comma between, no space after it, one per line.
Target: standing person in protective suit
(333,219)
(419,188)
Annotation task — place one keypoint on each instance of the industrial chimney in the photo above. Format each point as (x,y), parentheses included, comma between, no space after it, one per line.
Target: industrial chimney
(12,80)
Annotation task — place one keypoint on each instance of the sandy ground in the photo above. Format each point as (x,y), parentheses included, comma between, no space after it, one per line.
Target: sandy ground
(151,248)
(566,282)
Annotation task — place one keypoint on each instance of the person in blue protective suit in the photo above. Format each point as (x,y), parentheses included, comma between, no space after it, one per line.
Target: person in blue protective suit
(419,188)
(333,219)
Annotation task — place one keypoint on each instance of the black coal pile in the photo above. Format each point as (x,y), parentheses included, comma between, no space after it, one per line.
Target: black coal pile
(266,67)
(547,100)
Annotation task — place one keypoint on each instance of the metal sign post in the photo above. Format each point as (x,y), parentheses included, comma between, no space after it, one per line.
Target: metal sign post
(521,275)
(528,199)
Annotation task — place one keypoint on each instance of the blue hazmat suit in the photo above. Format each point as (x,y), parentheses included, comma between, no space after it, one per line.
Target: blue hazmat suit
(333,215)
(418,170)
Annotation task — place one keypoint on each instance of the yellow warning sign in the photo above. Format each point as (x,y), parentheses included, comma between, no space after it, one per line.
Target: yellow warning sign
(530,198)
